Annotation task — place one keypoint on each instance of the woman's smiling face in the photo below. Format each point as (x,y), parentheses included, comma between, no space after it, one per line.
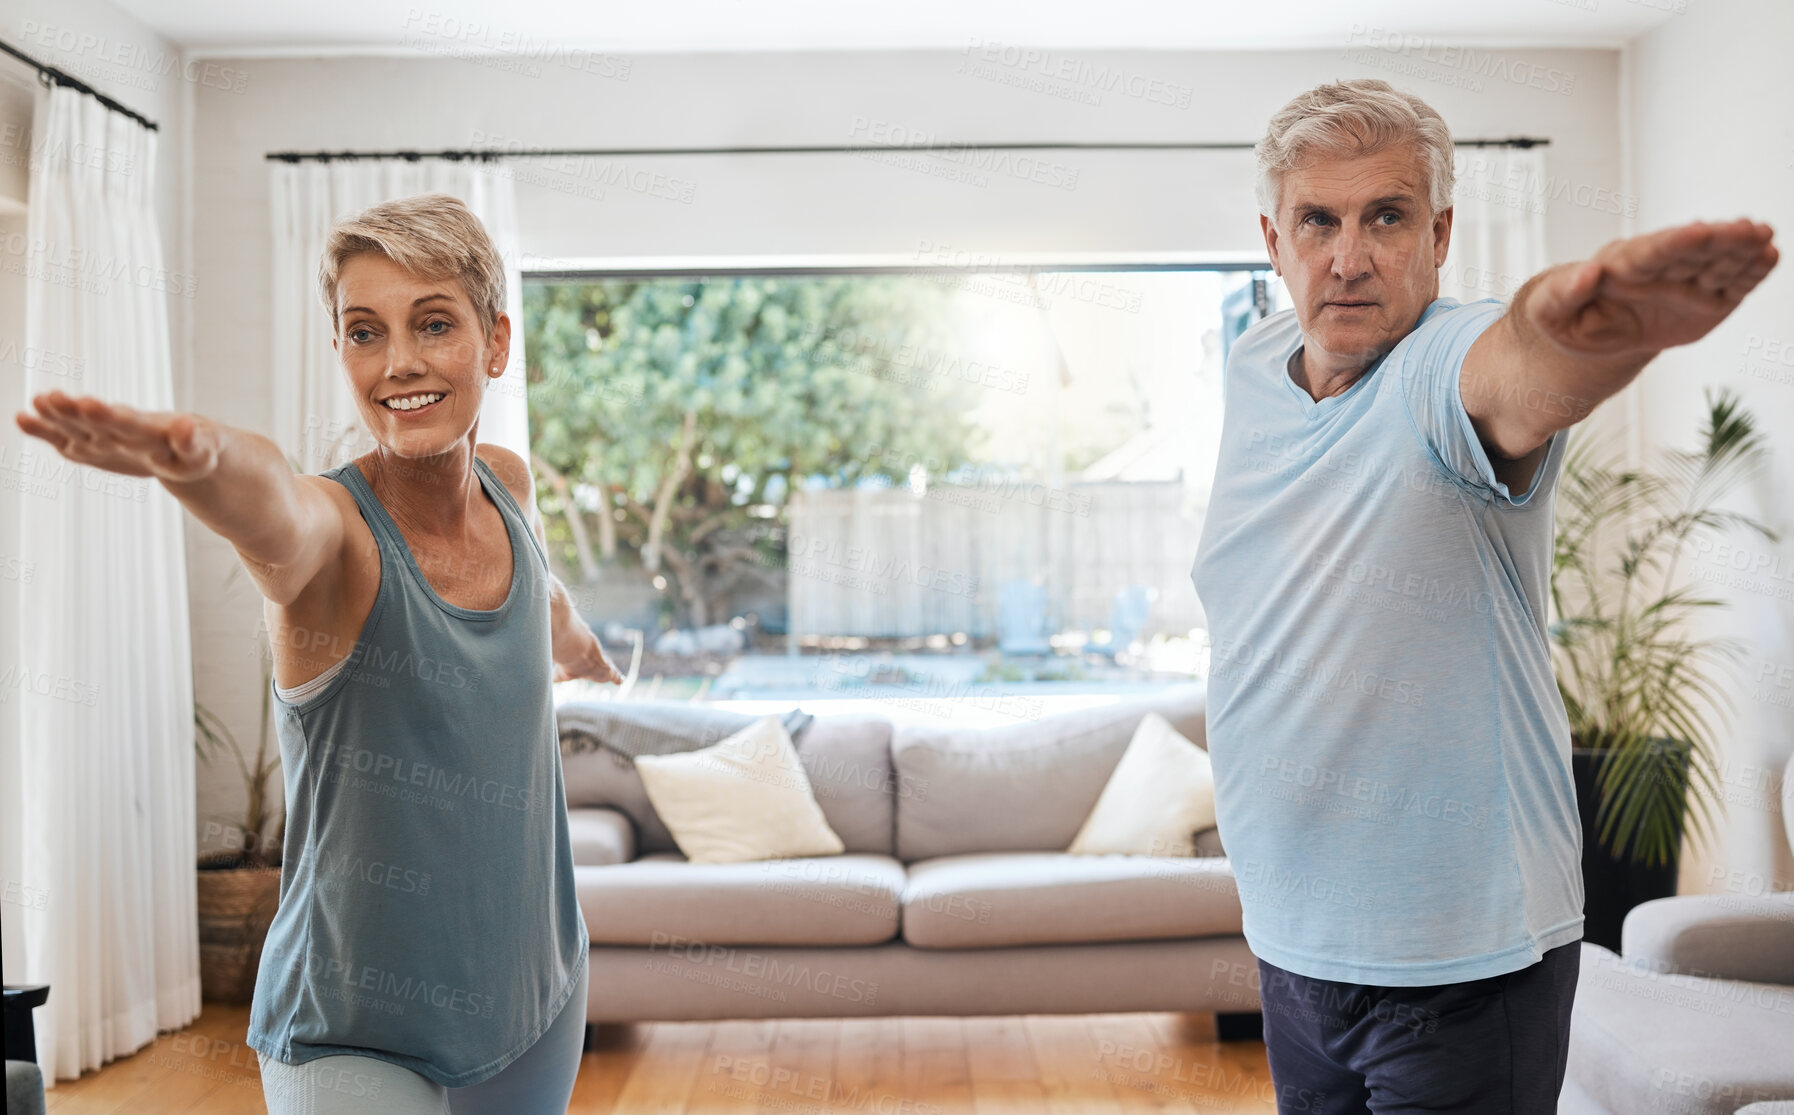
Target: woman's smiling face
(417,343)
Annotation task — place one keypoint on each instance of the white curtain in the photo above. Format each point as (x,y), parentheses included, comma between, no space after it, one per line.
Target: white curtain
(315,419)
(1498,224)
(96,708)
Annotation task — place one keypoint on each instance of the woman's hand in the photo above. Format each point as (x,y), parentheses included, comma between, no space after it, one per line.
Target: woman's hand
(169,445)
(587,661)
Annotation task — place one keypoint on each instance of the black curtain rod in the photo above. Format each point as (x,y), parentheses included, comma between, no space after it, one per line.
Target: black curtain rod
(565,275)
(616,152)
(50,74)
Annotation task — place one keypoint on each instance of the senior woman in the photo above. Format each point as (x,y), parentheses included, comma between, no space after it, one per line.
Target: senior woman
(428,953)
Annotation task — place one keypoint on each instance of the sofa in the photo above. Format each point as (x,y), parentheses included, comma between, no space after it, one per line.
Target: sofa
(954,895)
(24,1080)
(1695,1015)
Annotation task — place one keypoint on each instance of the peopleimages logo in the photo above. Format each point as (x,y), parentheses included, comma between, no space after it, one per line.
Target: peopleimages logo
(433,779)
(373,872)
(1304,677)
(1381,800)
(1270,884)
(1022,165)
(473,38)
(1066,76)
(830,551)
(903,361)
(379,661)
(393,986)
(63,262)
(1381,45)
(128,57)
(1427,590)
(756,966)
(44,684)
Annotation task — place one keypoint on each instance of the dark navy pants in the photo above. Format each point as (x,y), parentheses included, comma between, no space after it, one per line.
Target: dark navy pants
(1493,1046)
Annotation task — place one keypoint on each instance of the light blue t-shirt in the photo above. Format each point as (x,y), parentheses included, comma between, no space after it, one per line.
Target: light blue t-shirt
(1391,754)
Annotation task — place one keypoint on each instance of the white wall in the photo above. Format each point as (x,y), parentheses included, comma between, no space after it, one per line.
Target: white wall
(1136,202)
(1713,139)
(1141,205)
(114,53)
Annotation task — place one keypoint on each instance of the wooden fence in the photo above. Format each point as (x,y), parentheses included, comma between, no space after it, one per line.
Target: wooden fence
(894,562)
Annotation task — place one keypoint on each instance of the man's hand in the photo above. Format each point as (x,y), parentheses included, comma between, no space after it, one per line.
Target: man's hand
(587,661)
(1652,292)
(168,445)
(1578,333)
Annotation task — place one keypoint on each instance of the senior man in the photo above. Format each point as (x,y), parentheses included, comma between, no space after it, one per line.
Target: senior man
(1391,753)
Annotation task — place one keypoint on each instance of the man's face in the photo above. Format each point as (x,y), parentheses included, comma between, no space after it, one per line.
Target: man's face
(405,337)
(1359,248)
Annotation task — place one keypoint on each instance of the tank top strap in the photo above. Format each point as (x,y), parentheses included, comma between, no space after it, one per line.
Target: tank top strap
(386,532)
(507,504)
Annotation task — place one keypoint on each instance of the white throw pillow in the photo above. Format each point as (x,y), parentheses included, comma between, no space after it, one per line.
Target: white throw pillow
(1161,794)
(746,798)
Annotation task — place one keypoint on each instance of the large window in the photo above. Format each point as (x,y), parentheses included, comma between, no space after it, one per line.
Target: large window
(957,493)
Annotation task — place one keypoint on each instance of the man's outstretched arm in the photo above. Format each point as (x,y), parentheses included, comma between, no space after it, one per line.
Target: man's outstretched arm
(1575,334)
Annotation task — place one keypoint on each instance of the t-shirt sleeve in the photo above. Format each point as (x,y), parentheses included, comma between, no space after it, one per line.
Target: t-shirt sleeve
(1431,362)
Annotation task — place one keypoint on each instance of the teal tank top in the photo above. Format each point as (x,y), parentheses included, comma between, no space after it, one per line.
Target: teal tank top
(427,908)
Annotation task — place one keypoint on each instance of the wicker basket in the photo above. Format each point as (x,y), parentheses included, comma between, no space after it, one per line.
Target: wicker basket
(236,906)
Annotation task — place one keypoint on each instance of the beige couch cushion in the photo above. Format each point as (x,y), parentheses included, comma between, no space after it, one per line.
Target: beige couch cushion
(599,836)
(1019,788)
(660,900)
(746,798)
(682,984)
(1160,796)
(1655,1041)
(846,757)
(1031,898)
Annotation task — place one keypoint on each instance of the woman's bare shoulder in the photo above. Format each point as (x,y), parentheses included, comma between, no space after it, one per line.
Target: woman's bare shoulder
(355,552)
(511,469)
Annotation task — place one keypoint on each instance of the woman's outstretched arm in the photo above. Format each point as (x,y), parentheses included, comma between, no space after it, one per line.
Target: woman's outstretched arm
(237,482)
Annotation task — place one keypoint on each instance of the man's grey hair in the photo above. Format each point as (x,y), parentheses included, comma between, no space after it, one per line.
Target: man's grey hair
(1358,117)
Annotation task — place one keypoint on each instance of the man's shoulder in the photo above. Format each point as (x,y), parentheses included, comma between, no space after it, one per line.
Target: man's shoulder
(1270,332)
(1267,342)
(1444,330)
(1446,313)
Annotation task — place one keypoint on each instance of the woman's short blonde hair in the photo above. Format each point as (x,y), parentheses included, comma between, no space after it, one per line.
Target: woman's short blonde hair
(1357,117)
(434,236)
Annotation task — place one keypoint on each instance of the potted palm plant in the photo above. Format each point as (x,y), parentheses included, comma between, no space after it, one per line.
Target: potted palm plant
(1638,685)
(239,888)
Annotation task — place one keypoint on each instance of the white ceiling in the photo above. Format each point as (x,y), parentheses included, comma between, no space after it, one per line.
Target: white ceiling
(234,27)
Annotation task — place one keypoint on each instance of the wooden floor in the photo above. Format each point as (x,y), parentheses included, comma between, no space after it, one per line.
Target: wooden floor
(1018,1065)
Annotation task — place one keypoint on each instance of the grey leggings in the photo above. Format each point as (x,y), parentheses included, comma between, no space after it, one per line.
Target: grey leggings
(537,1083)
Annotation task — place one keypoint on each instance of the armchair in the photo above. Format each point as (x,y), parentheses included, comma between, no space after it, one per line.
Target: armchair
(1696,1017)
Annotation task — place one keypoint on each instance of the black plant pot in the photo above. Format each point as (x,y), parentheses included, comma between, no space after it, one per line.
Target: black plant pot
(1611,885)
